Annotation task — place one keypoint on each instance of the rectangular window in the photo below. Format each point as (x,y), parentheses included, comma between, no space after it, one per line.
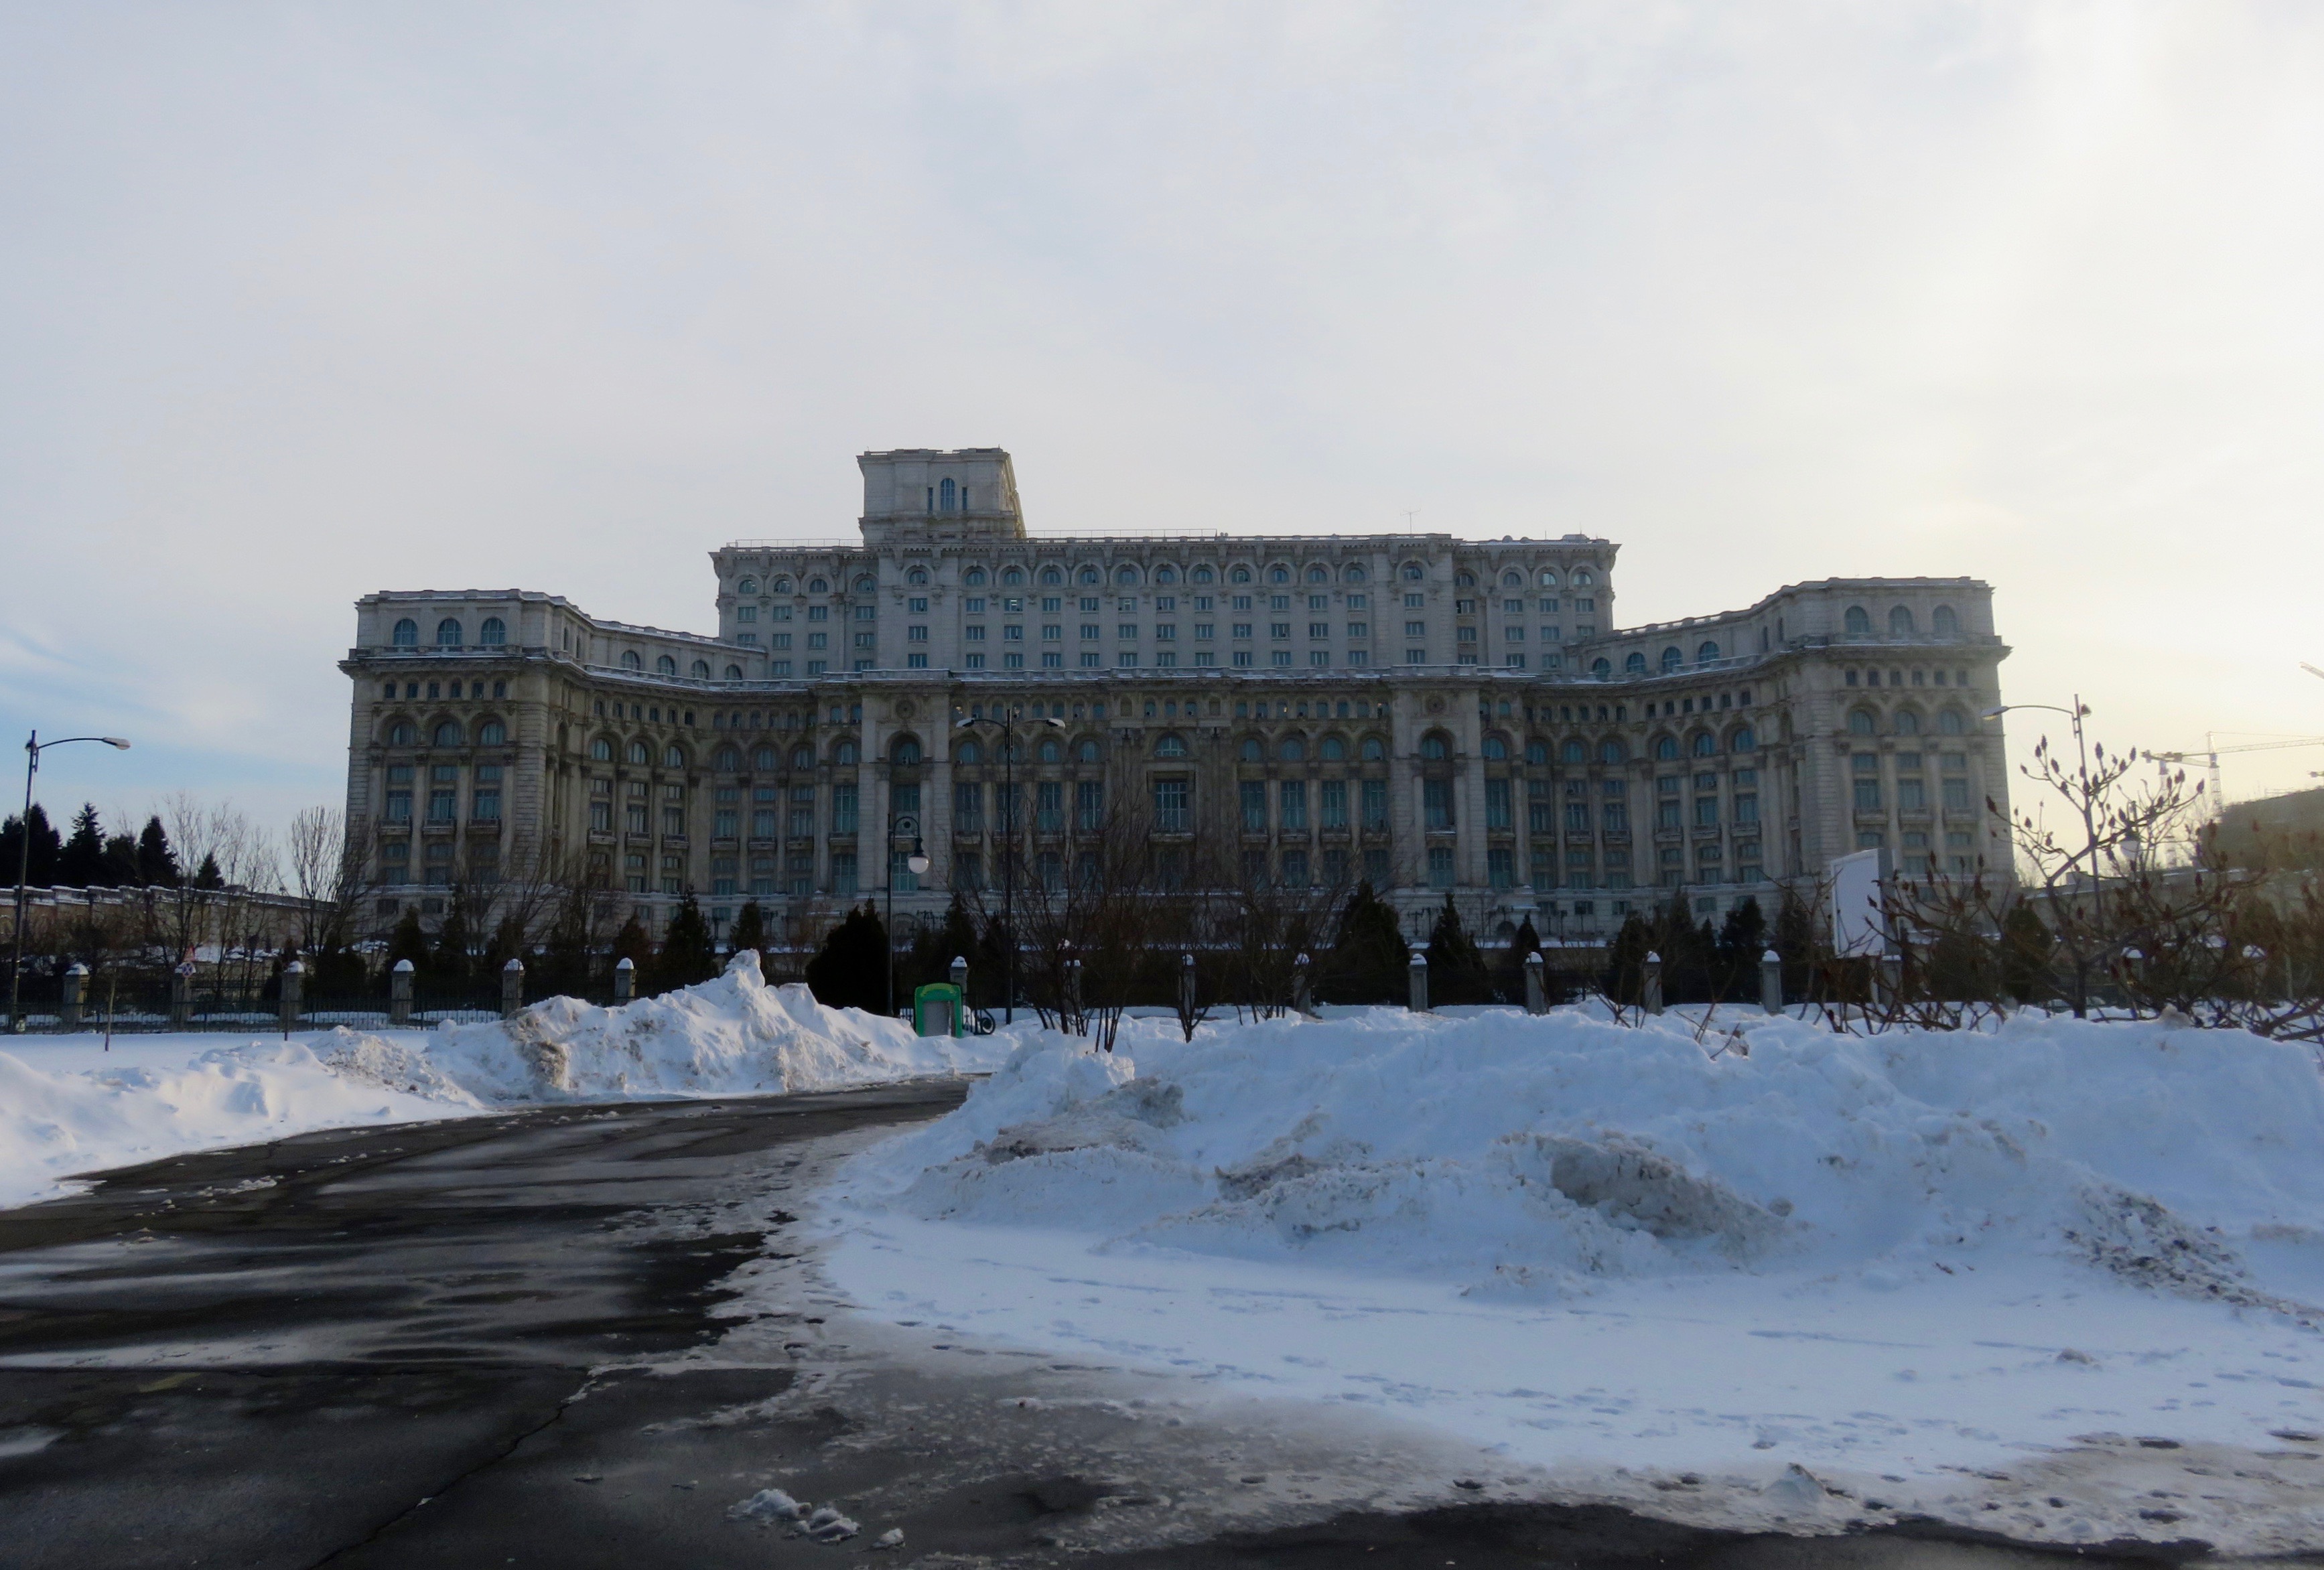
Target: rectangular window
(399,806)
(843,811)
(1319,629)
(1332,804)
(1012,633)
(1440,867)
(1375,870)
(1666,813)
(916,662)
(1539,812)
(601,817)
(1468,635)
(1747,809)
(1913,794)
(633,817)
(1437,803)
(1052,633)
(901,876)
(1375,804)
(1416,656)
(1204,629)
(818,640)
(1416,629)
(803,809)
(974,634)
(1497,812)
(762,823)
(1049,806)
(1091,630)
(1254,806)
(1090,660)
(915,634)
(1544,871)
(1867,795)
(442,804)
(723,823)
(1126,631)
(968,809)
(1514,634)
(1165,630)
(1294,797)
(818,613)
(968,870)
(1706,811)
(673,819)
(1173,810)
(1956,795)
(780,641)
(1089,804)
(843,872)
(975,662)
(1577,817)
(1008,807)
(1243,629)
(1501,867)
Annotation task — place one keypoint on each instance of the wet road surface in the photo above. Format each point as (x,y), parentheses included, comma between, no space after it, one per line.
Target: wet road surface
(513,1341)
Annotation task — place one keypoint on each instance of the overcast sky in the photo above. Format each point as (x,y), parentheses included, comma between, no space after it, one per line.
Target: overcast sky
(297,302)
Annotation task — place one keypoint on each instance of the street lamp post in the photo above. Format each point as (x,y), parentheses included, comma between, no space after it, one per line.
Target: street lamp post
(2089,820)
(34,747)
(898,826)
(1006,723)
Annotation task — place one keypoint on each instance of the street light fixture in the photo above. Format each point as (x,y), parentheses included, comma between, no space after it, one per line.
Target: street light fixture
(1005,721)
(34,747)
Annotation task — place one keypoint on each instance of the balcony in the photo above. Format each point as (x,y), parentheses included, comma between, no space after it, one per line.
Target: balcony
(601,836)
(673,842)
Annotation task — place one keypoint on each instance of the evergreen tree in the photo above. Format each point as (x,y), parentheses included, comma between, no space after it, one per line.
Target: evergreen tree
(566,960)
(2026,945)
(449,963)
(41,871)
(81,862)
(750,929)
(121,861)
(1368,958)
(933,949)
(632,943)
(1508,975)
(851,969)
(1742,939)
(1795,942)
(1456,970)
(208,875)
(687,956)
(157,861)
(408,941)
(1625,962)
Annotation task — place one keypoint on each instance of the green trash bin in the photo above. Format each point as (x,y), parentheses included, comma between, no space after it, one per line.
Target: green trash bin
(936,1010)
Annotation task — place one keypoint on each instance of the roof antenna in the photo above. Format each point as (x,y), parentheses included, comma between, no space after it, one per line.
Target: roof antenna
(1408,516)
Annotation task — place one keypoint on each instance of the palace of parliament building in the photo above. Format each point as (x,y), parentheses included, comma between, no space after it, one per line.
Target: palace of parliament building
(1433,715)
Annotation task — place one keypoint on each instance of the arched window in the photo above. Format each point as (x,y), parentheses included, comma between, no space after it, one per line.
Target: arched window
(1863,722)
(804,756)
(1672,658)
(1705,654)
(763,760)
(1605,667)
(779,586)
(1435,746)
(918,577)
(402,733)
(974,577)
(1466,580)
(1512,580)
(1279,574)
(1908,722)
(1202,575)
(1496,749)
(746,586)
(1537,752)
(1611,750)
(1011,577)
(1166,574)
(1171,745)
(733,672)
(447,633)
(1952,723)
(1354,575)
(1291,749)
(1857,621)
(843,752)
(640,753)
(1053,576)
(817,586)
(1091,752)
(1943,622)
(701,670)
(1583,577)
(1091,577)
(447,733)
(728,761)
(1745,740)
(1704,744)
(1549,579)
(1252,752)
(1573,751)
(1239,576)
(630,662)
(1634,665)
(494,633)
(601,750)
(491,733)
(1333,750)
(1125,575)
(673,756)
(1900,621)
(968,752)
(407,634)
(1413,573)
(905,749)
(664,666)
(1052,750)
(946,500)
(1666,748)
(1318,576)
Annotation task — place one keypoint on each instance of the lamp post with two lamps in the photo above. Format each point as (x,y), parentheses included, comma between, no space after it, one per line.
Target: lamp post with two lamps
(900,825)
(34,747)
(1005,720)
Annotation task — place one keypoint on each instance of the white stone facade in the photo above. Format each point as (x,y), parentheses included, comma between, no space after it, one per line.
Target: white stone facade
(1433,714)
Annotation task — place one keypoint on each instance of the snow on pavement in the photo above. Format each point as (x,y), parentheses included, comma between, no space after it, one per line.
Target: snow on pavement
(69,1106)
(1940,1270)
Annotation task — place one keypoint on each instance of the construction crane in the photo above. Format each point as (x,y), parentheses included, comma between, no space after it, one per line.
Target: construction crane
(2211,755)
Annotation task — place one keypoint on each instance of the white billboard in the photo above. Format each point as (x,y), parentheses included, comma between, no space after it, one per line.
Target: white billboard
(1858,927)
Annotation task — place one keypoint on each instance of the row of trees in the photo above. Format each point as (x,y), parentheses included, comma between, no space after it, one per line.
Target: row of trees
(89,857)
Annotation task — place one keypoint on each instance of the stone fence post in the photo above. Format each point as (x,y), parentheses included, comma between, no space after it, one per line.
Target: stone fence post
(399,994)
(75,989)
(1536,983)
(294,994)
(1303,982)
(625,979)
(181,996)
(1418,973)
(1654,984)
(512,987)
(1771,982)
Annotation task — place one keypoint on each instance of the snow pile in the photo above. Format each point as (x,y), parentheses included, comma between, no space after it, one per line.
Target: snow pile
(1539,1157)
(66,1106)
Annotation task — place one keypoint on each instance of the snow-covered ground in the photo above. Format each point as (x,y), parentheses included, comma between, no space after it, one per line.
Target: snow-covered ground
(1943,1271)
(68,1106)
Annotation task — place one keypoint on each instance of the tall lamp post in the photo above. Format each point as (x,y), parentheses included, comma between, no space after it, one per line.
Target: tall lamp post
(2090,822)
(898,826)
(1006,723)
(34,747)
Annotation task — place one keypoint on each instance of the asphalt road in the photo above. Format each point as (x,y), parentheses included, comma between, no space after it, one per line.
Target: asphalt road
(499,1342)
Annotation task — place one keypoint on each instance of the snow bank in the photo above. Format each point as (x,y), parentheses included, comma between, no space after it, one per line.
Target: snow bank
(66,1107)
(1541,1157)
